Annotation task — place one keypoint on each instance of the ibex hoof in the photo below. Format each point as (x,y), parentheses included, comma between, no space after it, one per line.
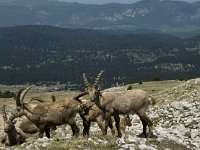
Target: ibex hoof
(75,135)
(142,135)
(86,135)
(119,136)
(104,133)
(151,135)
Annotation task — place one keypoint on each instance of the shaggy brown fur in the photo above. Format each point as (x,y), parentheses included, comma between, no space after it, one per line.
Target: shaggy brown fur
(29,127)
(46,115)
(115,103)
(12,135)
(93,113)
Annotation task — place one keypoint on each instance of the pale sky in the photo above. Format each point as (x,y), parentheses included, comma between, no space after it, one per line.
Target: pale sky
(109,1)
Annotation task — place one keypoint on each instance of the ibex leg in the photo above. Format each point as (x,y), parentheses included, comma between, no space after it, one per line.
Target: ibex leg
(74,127)
(86,127)
(41,132)
(101,123)
(146,121)
(117,123)
(144,133)
(150,125)
(47,131)
(108,123)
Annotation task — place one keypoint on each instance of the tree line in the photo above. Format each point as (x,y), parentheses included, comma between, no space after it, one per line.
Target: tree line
(7,94)
(46,54)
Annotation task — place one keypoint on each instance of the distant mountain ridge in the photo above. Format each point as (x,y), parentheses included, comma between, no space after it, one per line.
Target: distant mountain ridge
(166,16)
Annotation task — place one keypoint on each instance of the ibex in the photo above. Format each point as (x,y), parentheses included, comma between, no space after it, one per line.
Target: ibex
(12,135)
(93,113)
(124,102)
(46,115)
(29,127)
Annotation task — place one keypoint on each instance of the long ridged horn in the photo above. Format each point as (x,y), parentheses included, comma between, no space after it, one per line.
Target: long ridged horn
(18,102)
(97,80)
(4,113)
(87,84)
(39,99)
(24,93)
(80,95)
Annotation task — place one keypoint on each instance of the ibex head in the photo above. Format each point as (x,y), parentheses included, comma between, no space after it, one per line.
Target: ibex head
(128,120)
(93,90)
(9,123)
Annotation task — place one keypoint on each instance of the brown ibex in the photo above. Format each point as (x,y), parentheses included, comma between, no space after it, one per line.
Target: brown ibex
(46,115)
(12,135)
(92,113)
(124,102)
(29,127)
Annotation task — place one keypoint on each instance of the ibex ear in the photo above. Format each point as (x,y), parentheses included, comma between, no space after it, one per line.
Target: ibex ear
(14,122)
(99,88)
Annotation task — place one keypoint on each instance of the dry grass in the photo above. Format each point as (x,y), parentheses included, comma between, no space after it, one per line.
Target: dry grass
(156,86)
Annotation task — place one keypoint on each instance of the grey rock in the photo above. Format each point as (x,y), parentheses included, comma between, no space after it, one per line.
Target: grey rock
(44,139)
(145,147)
(197,145)
(194,133)
(120,140)
(44,144)
(30,147)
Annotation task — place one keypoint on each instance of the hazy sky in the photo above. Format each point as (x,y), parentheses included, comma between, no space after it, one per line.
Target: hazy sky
(109,1)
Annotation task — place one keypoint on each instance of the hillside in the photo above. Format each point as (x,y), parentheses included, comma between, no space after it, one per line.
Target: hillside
(42,54)
(176,123)
(175,17)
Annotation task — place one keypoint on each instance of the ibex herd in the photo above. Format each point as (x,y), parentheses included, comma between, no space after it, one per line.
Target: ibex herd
(100,108)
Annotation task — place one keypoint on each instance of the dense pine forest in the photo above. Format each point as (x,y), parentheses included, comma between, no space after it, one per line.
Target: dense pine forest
(44,54)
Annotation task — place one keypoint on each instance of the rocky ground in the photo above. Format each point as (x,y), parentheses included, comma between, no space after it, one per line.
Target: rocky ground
(176,119)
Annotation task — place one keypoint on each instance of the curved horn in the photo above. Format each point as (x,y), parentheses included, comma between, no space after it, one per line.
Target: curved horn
(80,95)
(24,93)
(4,113)
(98,79)
(18,103)
(87,84)
(37,99)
